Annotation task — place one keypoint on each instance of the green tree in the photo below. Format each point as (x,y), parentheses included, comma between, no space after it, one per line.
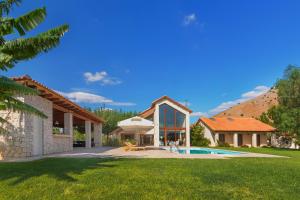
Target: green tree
(286,116)
(112,117)
(14,47)
(197,136)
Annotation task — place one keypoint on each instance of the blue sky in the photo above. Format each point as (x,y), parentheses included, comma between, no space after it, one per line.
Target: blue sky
(127,53)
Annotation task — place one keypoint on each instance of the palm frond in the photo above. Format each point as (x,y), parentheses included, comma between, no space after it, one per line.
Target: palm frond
(6,61)
(27,48)
(9,86)
(30,20)
(6,6)
(6,26)
(23,23)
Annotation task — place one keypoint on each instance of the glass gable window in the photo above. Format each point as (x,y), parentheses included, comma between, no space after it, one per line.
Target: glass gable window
(171,125)
(170,117)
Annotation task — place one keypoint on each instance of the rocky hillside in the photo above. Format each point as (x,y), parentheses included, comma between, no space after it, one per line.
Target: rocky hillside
(252,108)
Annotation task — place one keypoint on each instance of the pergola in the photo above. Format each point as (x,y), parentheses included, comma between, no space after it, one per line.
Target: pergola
(67,114)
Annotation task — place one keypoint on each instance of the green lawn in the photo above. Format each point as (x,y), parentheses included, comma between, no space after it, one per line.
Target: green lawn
(239,178)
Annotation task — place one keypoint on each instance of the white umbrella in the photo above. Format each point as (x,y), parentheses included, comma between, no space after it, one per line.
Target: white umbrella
(136,124)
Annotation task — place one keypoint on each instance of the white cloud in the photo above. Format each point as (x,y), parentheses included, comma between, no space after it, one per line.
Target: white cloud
(85,97)
(101,77)
(198,114)
(259,90)
(189,19)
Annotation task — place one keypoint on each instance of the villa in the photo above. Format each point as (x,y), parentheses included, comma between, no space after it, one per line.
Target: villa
(236,131)
(164,123)
(30,135)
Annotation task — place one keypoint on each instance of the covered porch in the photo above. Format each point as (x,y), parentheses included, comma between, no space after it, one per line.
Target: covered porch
(64,117)
(66,124)
(242,139)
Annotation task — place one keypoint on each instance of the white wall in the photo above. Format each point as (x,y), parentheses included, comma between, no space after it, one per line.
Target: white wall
(209,135)
(156,121)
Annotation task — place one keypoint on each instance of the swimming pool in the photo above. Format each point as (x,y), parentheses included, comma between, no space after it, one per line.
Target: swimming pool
(199,150)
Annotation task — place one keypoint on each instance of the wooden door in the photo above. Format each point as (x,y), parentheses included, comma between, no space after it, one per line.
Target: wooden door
(240,140)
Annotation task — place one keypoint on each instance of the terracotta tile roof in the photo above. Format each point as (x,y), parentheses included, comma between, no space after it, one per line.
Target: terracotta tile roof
(56,98)
(150,110)
(238,124)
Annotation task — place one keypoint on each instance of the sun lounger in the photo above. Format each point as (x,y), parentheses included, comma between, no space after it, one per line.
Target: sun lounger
(131,147)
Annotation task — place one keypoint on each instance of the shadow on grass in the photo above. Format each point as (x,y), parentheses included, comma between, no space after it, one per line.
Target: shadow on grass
(58,168)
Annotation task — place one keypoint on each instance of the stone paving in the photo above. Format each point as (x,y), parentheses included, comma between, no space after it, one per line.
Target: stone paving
(119,152)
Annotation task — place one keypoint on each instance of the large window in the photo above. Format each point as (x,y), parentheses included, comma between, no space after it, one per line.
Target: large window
(171,125)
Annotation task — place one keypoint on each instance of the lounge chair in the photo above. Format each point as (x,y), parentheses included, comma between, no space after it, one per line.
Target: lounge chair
(131,147)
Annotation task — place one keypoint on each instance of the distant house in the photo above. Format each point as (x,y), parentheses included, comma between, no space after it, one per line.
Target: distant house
(166,122)
(30,135)
(236,131)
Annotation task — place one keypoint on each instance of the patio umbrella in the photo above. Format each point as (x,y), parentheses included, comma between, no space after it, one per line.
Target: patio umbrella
(136,124)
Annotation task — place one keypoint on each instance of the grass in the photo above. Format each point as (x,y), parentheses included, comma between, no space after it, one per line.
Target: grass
(92,178)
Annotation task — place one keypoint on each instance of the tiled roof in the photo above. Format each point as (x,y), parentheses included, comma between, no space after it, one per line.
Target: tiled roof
(224,124)
(150,110)
(56,98)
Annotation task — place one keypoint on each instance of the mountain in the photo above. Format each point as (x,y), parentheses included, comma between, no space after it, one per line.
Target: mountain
(252,108)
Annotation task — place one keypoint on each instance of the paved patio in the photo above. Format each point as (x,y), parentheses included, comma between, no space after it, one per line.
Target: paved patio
(118,152)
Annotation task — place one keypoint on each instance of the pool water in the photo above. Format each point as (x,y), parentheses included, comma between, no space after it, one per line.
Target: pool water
(207,151)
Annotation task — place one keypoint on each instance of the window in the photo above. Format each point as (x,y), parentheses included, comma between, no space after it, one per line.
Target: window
(170,117)
(222,138)
(172,125)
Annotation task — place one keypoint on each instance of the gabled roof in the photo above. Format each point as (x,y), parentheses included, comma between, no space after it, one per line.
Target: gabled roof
(58,100)
(150,110)
(238,124)
(147,112)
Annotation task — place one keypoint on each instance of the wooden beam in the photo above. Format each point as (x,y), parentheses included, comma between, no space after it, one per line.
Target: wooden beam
(45,95)
(62,109)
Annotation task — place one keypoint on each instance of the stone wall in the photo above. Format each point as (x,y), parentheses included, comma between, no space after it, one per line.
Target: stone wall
(61,143)
(46,107)
(14,143)
(51,143)
(21,138)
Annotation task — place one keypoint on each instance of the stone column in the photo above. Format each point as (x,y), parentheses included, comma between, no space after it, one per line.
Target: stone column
(254,140)
(235,140)
(187,130)
(68,128)
(97,134)
(88,134)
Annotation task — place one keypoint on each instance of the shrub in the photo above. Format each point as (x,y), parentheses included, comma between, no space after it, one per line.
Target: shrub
(197,136)
(245,146)
(223,144)
(132,141)
(112,142)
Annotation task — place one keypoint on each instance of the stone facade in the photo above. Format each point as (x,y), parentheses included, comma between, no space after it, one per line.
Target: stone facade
(61,143)
(16,142)
(30,135)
